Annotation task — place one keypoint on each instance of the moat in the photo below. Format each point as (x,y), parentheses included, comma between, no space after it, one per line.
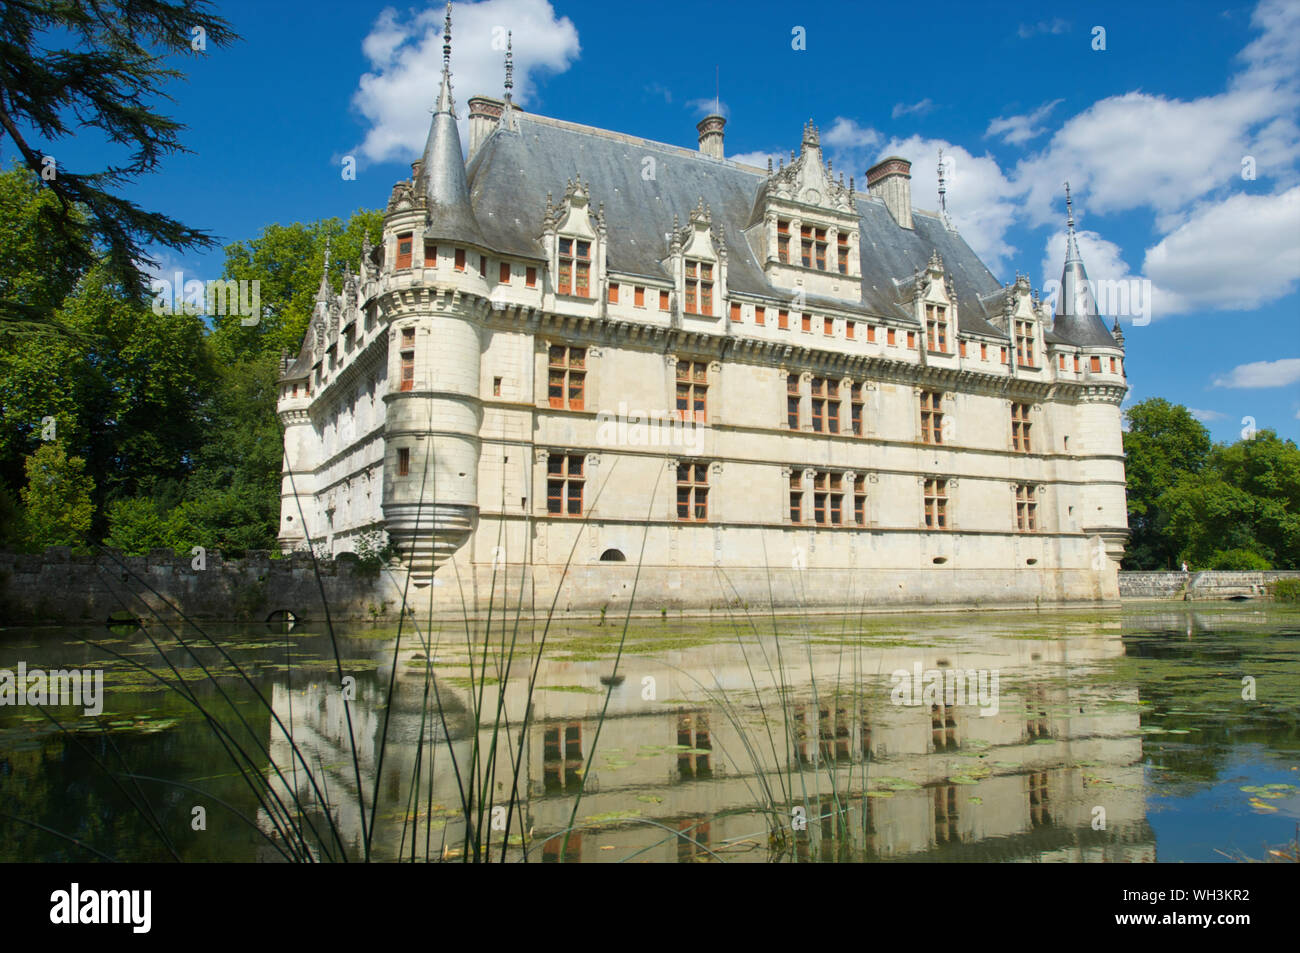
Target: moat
(1148,733)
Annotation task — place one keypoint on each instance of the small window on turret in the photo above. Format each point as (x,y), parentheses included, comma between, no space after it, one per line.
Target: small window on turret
(404,250)
(460,259)
(430,255)
(1094,364)
(403,461)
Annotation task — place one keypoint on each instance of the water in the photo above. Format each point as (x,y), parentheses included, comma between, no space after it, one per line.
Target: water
(1152,733)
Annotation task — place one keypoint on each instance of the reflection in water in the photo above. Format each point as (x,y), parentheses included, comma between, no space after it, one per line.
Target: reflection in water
(748,748)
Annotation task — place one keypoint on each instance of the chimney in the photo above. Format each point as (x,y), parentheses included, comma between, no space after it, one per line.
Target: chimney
(710,130)
(891,180)
(484,115)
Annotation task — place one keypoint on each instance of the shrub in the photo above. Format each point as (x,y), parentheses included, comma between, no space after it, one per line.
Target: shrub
(1287,590)
(1241,560)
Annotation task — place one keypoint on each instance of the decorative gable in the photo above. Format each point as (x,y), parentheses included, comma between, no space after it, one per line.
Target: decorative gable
(697,261)
(575,243)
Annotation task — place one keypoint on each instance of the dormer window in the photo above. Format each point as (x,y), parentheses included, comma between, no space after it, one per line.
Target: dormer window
(575,267)
(936,325)
(842,243)
(783,241)
(404,250)
(1024,343)
(699,287)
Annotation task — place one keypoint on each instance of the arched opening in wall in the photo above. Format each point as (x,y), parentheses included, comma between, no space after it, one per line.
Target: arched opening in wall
(613,556)
(939,560)
(1031,562)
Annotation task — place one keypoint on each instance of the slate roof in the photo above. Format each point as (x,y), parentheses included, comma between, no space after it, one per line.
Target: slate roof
(513,171)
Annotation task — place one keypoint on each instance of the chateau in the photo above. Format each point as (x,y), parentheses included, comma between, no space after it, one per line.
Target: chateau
(589,363)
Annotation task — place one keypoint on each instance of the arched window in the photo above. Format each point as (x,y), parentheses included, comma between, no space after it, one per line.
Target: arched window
(613,556)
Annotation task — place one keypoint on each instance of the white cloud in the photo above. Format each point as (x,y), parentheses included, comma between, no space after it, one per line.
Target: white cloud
(759,159)
(1017,130)
(845,133)
(981,201)
(1027,30)
(903,109)
(405,59)
(1206,416)
(707,106)
(1232,255)
(1280,373)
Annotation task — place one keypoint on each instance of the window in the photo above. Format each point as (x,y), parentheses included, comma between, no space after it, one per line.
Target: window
(783,241)
(805,322)
(575,267)
(699,287)
(849,328)
(931,417)
(842,242)
(783,319)
(1076,363)
(860,501)
(530,277)
(1004,355)
(407,377)
(856,405)
(692,390)
(812,247)
(482,266)
(1094,364)
(496,387)
(503,273)
(984,352)
(760,315)
(796,497)
(961,348)
(1020,427)
(638,296)
(564,480)
(911,339)
(891,337)
(567,379)
(832,406)
(613,293)
(460,259)
(404,250)
(1026,509)
(792,401)
(403,461)
(871,334)
(693,492)
(663,301)
(430,255)
(1112,365)
(828,498)
(936,504)
(936,328)
(818,404)
(1060,359)
(735,311)
(1025,343)
(828,326)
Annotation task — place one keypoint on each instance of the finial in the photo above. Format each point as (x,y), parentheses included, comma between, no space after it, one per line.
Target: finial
(852,186)
(510,65)
(327,253)
(1069,209)
(1071,243)
(769,165)
(446,40)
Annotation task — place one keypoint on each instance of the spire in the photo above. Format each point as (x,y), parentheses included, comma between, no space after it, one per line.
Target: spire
(943,196)
(508,110)
(1077,321)
(442,169)
(445,102)
(1071,246)
(323,293)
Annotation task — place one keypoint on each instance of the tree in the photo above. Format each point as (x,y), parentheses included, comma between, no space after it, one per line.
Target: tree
(1163,442)
(136,526)
(37,265)
(98,63)
(57,498)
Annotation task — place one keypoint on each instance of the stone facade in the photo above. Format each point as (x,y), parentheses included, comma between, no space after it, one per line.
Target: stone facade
(722,374)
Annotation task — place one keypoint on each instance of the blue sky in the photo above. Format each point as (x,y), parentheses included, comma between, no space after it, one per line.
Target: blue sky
(1151,131)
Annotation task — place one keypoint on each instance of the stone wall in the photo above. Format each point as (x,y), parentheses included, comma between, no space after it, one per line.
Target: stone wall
(1199,585)
(61,586)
